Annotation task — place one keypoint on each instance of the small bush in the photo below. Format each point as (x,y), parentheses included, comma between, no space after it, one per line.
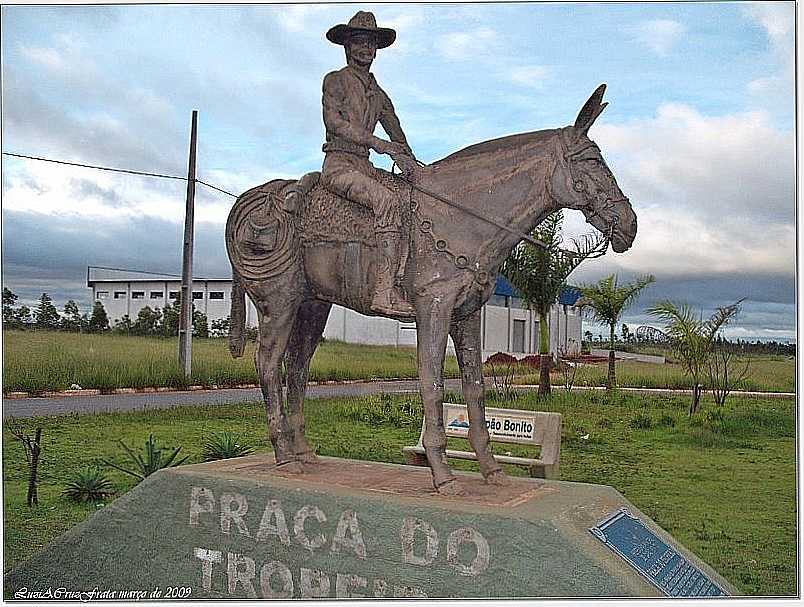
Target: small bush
(641,421)
(89,484)
(501,358)
(666,421)
(151,461)
(224,445)
(382,409)
(713,420)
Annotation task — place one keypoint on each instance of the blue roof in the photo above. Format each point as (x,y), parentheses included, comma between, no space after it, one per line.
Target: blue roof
(568,296)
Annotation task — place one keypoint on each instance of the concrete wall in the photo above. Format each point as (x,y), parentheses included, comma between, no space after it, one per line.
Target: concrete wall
(123,297)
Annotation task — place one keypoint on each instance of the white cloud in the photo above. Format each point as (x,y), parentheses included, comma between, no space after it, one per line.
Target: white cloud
(777,19)
(528,75)
(458,46)
(67,59)
(659,35)
(295,18)
(712,194)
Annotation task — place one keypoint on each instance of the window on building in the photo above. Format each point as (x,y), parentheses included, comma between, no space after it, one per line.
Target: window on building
(216,294)
(137,294)
(518,341)
(157,294)
(173,295)
(119,294)
(198,295)
(102,295)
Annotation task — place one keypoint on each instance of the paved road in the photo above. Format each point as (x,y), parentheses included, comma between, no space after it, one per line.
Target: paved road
(66,405)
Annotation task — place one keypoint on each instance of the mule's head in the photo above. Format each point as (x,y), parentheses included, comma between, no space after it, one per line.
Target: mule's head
(581,179)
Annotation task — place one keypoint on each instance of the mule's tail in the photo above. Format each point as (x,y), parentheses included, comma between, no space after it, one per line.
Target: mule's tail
(237,318)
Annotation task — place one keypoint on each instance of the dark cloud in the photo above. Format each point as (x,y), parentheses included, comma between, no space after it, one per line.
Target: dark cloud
(51,253)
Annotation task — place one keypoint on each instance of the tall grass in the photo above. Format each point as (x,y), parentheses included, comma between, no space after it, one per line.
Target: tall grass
(41,361)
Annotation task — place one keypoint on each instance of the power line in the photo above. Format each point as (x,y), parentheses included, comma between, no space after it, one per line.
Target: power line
(114,170)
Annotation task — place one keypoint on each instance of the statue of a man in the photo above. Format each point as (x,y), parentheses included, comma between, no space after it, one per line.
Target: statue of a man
(353,105)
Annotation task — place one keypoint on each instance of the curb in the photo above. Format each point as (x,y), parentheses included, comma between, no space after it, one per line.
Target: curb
(331,382)
(194,388)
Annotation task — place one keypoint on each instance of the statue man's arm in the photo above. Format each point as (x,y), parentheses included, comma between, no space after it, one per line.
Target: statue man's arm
(390,122)
(332,101)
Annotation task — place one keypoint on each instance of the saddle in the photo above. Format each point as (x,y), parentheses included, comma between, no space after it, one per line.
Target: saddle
(267,223)
(327,217)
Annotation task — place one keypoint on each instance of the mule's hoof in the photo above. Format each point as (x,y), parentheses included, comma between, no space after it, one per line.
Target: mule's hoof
(291,467)
(452,487)
(499,478)
(308,457)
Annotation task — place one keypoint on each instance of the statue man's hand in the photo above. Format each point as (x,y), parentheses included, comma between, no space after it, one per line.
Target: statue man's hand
(406,163)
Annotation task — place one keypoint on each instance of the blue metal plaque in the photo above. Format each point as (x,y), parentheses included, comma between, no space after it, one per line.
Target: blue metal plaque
(660,563)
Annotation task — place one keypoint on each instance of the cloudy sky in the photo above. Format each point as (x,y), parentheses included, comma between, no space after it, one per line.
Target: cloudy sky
(699,131)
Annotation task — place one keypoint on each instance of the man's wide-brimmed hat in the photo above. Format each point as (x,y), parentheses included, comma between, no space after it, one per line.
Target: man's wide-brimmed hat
(363,22)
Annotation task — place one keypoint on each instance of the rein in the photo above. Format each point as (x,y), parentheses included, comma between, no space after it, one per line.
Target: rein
(567,154)
(473,213)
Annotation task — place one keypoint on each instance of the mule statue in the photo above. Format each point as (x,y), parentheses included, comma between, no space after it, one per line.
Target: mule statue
(296,249)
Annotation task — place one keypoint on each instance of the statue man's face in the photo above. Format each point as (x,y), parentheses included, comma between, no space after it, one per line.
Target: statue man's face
(361,49)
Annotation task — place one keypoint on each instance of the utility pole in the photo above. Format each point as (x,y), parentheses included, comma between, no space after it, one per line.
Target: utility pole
(186,316)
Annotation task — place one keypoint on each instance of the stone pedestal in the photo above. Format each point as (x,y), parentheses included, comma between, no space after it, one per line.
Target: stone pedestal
(243,528)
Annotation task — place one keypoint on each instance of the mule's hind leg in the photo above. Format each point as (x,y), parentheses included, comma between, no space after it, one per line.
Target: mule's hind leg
(275,324)
(466,337)
(307,330)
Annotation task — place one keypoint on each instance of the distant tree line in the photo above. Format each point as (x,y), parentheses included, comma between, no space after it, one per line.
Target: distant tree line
(154,322)
(630,338)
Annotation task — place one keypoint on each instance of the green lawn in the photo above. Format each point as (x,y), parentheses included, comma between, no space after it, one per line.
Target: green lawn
(723,484)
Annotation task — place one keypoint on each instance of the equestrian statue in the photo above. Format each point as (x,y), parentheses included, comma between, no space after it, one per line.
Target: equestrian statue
(424,245)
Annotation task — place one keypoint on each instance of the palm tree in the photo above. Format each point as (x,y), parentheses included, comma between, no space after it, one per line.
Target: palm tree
(540,273)
(693,338)
(608,301)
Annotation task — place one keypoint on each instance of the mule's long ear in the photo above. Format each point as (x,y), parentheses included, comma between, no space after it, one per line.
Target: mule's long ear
(590,111)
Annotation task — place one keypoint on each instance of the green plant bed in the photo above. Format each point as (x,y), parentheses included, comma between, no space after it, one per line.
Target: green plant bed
(39,361)
(722,483)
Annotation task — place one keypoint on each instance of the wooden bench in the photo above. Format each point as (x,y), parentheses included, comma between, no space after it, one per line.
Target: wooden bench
(505,426)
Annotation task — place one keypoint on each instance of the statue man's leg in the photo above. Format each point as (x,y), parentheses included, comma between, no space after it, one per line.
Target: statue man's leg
(364,190)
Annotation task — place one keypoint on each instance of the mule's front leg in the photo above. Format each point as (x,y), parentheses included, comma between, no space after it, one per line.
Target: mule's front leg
(432,328)
(466,336)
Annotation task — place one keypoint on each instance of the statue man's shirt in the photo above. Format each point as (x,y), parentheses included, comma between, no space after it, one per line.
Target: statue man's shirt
(353,104)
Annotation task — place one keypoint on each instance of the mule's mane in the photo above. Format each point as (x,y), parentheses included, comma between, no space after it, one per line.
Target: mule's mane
(508,142)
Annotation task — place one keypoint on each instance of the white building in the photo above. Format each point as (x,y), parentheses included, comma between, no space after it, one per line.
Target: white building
(507,325)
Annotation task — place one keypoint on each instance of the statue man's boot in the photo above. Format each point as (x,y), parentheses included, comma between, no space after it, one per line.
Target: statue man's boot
(388,299)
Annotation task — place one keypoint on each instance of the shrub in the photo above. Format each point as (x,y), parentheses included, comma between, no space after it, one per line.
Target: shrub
(714,420)
(89,484)
(224,445)
(532,360)
(152,460)
(382,409)
(501,358)
(641,421)
(666,421)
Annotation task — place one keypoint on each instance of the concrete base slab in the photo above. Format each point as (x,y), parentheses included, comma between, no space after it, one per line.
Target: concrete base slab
(243,528)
